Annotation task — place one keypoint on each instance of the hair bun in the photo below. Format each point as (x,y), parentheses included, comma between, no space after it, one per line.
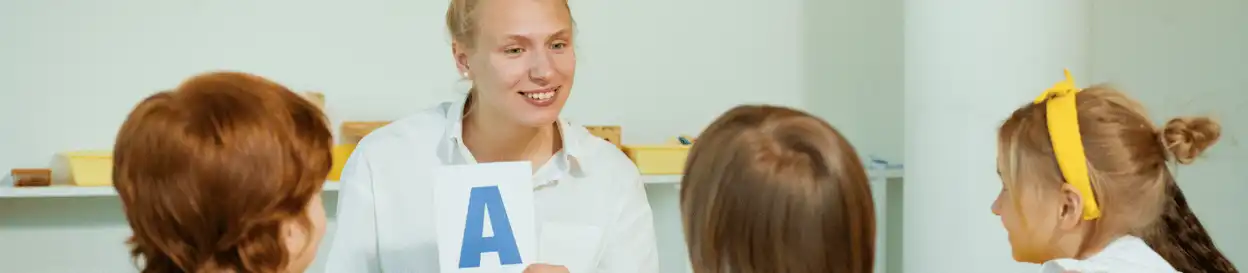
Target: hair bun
(1187,137)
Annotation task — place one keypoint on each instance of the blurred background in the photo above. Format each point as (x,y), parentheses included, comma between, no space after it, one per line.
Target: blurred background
(71,69)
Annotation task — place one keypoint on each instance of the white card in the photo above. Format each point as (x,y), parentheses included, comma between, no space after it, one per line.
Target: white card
(475,205)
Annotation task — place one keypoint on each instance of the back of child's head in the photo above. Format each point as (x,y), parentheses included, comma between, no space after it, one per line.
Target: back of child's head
(211,174)
(772,189)
(1127,160)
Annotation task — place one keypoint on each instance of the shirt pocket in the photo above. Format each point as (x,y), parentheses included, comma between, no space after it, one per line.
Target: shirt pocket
(575,246)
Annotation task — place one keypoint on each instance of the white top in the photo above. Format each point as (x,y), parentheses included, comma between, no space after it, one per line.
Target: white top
(589,199)
(1127,254)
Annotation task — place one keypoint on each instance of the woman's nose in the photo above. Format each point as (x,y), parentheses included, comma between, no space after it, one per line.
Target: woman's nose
(541,67)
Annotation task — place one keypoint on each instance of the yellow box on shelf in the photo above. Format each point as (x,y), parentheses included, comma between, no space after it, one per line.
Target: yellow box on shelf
(658,159)
(610,133)
(340,154)
(354,131)
(90,168)
(95,168)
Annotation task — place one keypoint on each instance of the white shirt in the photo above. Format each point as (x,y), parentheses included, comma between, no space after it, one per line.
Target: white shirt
(591,210)
(1128,254)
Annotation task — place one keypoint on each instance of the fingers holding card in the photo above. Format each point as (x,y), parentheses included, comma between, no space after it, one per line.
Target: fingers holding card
(545,268)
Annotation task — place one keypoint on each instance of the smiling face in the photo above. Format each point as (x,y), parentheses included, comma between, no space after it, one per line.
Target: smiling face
(520,59)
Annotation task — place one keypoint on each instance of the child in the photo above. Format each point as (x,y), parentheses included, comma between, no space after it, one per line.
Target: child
(223,174)
(772,189)
(1086,186)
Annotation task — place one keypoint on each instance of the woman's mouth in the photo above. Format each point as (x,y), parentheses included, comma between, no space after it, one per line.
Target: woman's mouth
(541,97)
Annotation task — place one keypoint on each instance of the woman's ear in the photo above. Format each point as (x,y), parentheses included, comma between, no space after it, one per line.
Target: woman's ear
(460,53)
(1071,210)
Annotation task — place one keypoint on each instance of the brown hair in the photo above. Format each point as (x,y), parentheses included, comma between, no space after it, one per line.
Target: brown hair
(772,189)
(1127,158)
(209,173)
(1178,235)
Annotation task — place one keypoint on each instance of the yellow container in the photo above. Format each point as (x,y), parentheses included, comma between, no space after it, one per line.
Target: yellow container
(610,133)
(340,153)
(90,168)
(658,159)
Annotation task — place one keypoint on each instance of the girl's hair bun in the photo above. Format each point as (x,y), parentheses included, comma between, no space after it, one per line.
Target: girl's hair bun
(1187,137)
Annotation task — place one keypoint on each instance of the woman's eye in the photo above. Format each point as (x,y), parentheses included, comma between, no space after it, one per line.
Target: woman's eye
(513,51)
(558,46)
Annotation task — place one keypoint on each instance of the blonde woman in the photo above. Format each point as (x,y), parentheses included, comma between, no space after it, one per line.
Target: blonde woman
(591,208)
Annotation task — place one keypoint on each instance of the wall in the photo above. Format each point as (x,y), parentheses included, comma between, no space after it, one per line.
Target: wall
(853,67)
(1182,60)
(71,69)
(1177,58)
(854,79)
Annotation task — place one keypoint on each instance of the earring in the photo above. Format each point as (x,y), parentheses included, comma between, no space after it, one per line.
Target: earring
(465,74)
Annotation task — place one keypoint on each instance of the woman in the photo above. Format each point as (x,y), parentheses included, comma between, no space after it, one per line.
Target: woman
(223,175)
(771,189)
(520,58)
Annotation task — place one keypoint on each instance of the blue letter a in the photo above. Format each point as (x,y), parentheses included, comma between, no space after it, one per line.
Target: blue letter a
(503,241)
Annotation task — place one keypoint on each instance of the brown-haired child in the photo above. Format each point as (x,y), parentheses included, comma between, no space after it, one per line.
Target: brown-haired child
(772,189)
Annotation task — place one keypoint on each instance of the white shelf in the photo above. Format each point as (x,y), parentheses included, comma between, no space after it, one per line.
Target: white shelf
(55,191)
(330,186)
(886,174)
(674,179)
(660,179)
(76,191)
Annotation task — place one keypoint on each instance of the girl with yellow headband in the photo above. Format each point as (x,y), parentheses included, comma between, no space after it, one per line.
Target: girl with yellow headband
(1086,186)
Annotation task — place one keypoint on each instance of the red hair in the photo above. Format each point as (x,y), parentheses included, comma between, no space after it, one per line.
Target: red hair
(209,173)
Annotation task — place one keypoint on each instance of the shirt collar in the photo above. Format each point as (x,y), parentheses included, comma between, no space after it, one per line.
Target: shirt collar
(567,160)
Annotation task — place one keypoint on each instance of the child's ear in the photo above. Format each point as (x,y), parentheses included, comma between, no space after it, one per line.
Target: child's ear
(460,53)
(1071,211)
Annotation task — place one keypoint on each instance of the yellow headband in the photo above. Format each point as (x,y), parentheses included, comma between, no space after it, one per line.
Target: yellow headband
(1063,120)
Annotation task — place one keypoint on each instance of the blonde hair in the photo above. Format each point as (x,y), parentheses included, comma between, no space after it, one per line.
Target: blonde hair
(772,189)
(462,24)
(1127,161)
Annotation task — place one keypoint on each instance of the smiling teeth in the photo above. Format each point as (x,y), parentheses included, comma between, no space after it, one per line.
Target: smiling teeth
(540,96)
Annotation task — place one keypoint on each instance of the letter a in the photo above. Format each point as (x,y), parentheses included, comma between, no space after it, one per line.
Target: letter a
(503,241)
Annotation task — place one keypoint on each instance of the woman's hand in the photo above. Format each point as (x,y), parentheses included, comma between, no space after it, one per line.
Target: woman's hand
(545,268)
